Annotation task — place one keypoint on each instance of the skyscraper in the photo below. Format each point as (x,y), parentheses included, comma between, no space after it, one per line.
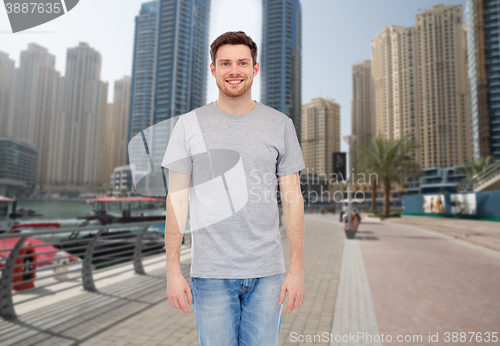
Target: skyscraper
(483,55)
(78,125)
(32,99)
(362,105)
(420,84)
(394,75)
(181,57)
(7,66)
(281,52)
(179,67)
(320,135)
(143,69)
(116,127)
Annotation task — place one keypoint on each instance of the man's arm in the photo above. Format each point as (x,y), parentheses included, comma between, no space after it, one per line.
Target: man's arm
(175,223)
(293,216)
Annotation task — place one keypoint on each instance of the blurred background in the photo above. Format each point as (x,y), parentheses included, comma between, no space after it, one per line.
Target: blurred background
(408,91)
(362,61)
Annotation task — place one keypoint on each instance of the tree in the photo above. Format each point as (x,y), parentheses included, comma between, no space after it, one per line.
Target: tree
(471,169)
(391,161)
(367,169)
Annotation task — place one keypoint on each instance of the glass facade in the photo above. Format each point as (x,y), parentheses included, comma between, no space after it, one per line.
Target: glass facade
(491,31)
(181,57)
(19,160)
(142,87)
(280,66)
(483,53)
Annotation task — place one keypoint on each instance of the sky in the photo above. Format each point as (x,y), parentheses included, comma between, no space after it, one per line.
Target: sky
(336,34)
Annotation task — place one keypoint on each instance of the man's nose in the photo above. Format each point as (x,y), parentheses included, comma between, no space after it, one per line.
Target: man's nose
(234,70)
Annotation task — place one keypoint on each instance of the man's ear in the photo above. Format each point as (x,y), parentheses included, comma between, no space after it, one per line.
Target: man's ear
(212,69)
(256,69)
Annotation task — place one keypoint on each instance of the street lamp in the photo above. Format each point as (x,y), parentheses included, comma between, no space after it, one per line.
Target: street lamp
(350,142)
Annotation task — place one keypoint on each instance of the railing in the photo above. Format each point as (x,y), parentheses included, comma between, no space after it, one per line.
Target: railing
(68,256)
(486,176)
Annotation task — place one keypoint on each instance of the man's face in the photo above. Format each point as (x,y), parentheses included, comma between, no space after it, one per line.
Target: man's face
(234,70)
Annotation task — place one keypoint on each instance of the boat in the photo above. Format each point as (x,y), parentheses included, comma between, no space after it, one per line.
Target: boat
(46,263)
(122,210)
(5,222)
(19,212)
(111,244)
(36,256)
(109,210)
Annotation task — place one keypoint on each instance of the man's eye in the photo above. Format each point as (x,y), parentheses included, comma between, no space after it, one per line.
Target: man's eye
(224,63)
(243,63)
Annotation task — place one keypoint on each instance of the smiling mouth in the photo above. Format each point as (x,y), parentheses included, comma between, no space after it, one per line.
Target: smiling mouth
(234,81)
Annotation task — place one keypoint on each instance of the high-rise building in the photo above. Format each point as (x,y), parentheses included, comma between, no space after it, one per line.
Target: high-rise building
(483,54)
(280,62)
(78,126)
(116,140)
(7,66)
(320,135)
(362,110)
(31,105)
(143,69)
(18,160)
(394,77)
(420,86)
(181,57)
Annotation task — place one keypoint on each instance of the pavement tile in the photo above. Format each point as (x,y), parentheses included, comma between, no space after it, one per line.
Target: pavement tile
(136,311)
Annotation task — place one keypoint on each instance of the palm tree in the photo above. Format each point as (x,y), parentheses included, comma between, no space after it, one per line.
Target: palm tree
(367,169)
(390,161)
(472,168)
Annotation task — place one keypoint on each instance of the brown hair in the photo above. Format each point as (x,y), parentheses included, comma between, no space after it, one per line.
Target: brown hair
(233,37)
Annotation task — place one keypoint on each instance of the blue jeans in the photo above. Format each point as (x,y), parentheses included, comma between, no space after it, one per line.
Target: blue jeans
(243,312)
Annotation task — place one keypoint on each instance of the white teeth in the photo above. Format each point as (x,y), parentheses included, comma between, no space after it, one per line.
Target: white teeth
(234,81)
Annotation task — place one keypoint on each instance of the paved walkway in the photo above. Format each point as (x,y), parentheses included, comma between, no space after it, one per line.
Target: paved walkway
(484,233)
(354,312)
(134,309)
(425,283)
(393,279)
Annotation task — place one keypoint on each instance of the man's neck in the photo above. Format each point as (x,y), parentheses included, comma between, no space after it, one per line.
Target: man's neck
(236,105)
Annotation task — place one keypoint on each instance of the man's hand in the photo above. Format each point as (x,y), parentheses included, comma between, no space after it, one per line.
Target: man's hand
(293,217)
(177,286)
(175,223)
(294,285)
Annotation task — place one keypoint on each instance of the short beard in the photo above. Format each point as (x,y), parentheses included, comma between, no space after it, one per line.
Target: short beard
(225,90)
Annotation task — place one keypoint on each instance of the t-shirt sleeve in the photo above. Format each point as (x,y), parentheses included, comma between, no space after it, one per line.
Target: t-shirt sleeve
(177,157)
(291,159)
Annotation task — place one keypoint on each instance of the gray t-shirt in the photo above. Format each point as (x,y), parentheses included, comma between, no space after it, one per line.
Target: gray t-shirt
(234,161)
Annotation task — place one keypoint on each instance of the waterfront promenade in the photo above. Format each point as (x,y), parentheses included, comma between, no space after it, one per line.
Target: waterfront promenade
(395,279)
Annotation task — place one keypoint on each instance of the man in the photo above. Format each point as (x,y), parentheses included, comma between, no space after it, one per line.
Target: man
(226,158)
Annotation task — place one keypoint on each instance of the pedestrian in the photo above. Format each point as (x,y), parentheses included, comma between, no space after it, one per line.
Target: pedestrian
(237,271)
(343,211)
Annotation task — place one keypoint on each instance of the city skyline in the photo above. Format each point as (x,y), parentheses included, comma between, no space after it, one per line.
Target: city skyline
(319,78)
